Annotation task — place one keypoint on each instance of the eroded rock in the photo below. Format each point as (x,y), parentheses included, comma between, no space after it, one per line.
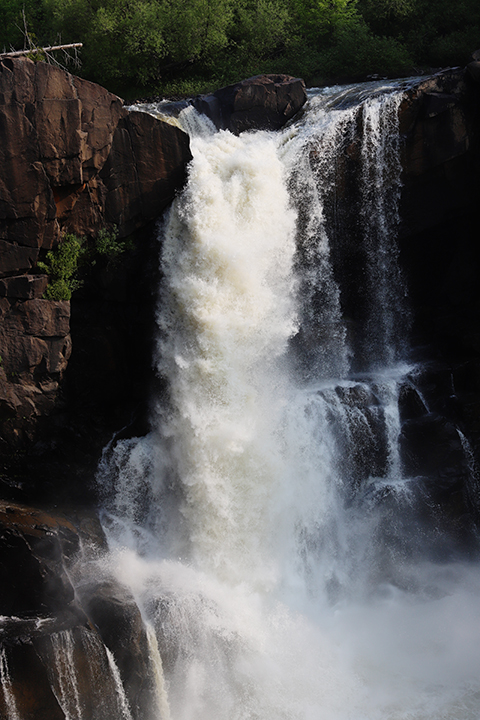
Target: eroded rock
(33,575)
(113,610)
(264,102)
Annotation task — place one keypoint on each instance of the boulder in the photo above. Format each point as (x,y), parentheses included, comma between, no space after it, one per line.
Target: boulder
(264,102)
(145,167)
(53,661)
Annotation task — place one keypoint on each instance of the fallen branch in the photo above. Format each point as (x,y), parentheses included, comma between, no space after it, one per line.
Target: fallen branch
(51,48)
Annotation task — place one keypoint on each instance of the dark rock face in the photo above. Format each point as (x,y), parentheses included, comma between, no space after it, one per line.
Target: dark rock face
(265,102)
(30,690)
(52,652)
(56,132)
(114,612)
(35,345)
(33,577)
(441,257)
(71,159)
(146,164)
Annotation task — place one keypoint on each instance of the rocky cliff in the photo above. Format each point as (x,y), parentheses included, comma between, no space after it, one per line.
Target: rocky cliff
(440,252)
(72,159)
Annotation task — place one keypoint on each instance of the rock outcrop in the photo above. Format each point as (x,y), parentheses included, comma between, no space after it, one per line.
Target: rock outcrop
(113,610)
(265,102)
(33,577)
(72,159)
(441,257)
(54,629)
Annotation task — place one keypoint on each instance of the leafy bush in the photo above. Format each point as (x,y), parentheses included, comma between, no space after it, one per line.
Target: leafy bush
(61,265)
(108,244)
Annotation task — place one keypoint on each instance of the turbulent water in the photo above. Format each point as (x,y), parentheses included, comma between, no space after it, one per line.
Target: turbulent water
(264,525)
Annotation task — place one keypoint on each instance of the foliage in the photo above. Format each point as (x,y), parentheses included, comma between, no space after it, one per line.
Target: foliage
(12,27)
(61,265)
(108,245)
(318,20)
(188,46)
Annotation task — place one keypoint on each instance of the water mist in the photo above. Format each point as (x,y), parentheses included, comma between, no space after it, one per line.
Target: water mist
(264,525)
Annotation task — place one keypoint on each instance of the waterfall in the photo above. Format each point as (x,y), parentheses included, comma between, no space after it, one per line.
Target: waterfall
(6,687)
(265,525)
(122,698)
(63,645)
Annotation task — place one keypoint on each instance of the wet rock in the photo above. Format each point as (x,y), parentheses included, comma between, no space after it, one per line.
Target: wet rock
(59,675)
(431,447)
(33,575)
(28,687)
(112,609)
(410,403)
(264,102)
(360,432)
(54,663)
(473,70)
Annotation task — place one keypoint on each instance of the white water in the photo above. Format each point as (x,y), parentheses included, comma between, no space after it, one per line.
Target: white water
(63,645)
(121,697)
(6,686)
(263,531)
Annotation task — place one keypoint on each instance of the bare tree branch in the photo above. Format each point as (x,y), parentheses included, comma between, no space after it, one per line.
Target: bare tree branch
(50,48)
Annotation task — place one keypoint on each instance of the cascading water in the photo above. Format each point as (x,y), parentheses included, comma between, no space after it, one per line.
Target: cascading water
(264,525)
(6,684)
(63,645)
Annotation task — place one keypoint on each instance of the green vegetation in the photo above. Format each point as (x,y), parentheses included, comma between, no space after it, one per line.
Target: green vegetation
(140,47)
(61,265)
(108,245)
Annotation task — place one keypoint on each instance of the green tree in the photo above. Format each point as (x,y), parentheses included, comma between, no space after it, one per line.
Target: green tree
(14,14)
(261,27)
(317,21)
(196,28)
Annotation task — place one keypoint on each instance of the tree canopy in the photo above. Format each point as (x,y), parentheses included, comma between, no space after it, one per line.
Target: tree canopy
(137,47)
